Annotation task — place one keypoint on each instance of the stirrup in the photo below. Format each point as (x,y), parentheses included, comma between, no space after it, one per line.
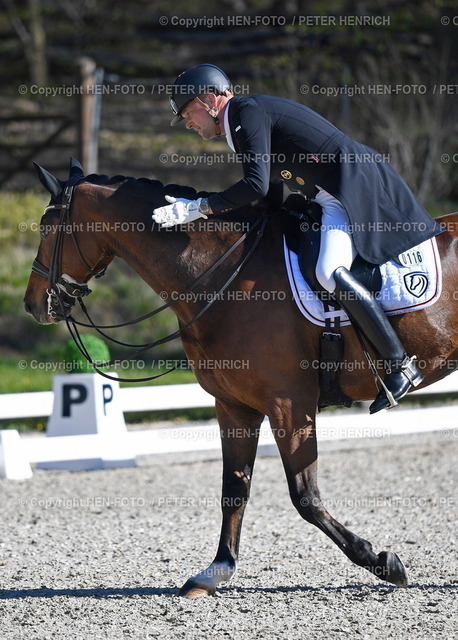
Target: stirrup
(408,368)
(407,375)
(389,396)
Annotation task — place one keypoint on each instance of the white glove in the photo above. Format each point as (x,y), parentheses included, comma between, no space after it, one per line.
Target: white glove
(181,211)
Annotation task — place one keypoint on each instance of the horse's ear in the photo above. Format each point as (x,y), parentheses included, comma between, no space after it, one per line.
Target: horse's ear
(75,168)
(50,182)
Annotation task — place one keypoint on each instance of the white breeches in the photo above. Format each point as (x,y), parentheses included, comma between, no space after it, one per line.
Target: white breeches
(337,248)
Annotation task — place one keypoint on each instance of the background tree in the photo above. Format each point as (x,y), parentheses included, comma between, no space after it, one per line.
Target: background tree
(33,39)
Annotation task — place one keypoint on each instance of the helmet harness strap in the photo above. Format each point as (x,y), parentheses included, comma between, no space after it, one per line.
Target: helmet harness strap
(212,112)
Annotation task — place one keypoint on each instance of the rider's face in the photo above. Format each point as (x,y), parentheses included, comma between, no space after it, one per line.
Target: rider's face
(197,118)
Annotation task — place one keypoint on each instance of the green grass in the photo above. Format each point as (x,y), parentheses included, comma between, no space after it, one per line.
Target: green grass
(436,209)
(19,215)
(36,374)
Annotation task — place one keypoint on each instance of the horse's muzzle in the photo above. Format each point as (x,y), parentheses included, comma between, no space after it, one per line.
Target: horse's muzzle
(49,311)
(40,315)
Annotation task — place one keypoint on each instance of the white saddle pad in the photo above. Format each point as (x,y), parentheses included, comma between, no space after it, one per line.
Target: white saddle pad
(412,282)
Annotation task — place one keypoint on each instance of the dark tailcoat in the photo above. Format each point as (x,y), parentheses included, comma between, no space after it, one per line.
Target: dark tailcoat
(278,139)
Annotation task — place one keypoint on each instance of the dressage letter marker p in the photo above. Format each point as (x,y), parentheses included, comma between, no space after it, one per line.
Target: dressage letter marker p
(86,405)
(69,397)
(107,396)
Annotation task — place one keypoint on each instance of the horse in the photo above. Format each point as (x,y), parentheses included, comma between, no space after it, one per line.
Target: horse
(254,321)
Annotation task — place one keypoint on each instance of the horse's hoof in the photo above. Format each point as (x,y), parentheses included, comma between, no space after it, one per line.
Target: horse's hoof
(391,569)
(192,589)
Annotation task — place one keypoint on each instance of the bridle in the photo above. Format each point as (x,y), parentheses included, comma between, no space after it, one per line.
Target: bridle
(59,283)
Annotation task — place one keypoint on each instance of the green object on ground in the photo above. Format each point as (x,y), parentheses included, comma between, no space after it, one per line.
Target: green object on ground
(75,360)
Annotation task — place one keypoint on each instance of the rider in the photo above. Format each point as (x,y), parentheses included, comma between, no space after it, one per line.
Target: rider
(367,208)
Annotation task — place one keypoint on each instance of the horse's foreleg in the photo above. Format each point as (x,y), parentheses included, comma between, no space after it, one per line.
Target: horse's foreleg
(298,449)
(239,437)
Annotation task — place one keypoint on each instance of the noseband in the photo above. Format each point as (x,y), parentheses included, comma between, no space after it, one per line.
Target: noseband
(59,282)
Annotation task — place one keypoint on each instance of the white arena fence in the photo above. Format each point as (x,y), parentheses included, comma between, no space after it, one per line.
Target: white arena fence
(331,425)
(36,404)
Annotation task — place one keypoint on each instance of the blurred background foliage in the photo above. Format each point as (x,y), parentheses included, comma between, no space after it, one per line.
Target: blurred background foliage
(390,83)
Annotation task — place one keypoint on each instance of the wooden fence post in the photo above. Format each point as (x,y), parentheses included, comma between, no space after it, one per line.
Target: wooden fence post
(90,81)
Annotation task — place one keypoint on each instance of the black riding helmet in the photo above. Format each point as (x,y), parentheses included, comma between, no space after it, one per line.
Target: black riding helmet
(193,83)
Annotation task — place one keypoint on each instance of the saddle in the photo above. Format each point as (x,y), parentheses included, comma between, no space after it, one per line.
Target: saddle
(302,234)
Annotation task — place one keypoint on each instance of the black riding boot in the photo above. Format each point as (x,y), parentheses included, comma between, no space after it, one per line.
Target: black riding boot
(401,371)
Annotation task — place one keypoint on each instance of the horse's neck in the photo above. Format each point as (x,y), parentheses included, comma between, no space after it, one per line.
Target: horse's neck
(171,262)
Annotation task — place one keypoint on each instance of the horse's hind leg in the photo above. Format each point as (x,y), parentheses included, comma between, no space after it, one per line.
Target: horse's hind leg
(239,437)
(298,450)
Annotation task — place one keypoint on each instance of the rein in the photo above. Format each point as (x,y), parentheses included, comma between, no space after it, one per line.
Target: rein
(58,282)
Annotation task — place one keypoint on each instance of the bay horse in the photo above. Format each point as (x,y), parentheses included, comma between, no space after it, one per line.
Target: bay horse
(257,322)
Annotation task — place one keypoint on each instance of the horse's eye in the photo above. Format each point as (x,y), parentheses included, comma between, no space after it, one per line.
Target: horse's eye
(45,229)
(47,225)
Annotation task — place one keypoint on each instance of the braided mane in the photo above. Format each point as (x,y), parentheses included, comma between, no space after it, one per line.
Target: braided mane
(176,190)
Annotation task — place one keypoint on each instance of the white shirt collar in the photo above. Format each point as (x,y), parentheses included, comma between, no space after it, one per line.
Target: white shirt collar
(227,128)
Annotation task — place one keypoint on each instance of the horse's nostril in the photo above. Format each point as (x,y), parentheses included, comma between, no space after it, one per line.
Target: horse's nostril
(27,307)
